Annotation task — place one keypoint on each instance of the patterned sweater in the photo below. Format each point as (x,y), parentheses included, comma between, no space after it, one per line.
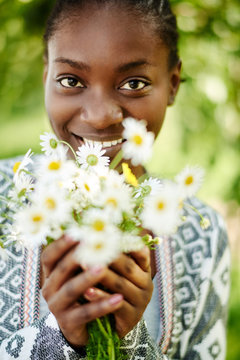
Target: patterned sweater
(193,283)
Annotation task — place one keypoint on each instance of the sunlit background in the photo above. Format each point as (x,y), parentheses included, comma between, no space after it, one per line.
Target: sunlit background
(203,127)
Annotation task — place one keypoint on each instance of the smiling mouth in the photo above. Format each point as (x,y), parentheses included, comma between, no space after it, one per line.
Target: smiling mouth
(105,144)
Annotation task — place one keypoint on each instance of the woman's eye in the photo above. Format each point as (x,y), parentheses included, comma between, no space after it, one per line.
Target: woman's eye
(70,82)
(134,85)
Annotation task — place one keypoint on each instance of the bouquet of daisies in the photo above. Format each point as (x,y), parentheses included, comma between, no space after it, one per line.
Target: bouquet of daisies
(87,199)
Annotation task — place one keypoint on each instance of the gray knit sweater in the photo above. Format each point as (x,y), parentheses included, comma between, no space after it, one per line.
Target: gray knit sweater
(193,284)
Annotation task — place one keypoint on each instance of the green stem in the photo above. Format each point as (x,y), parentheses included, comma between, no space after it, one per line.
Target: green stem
(116,160)
(70,147)
(194,209)
(103,331)
(27,172)
(111,351)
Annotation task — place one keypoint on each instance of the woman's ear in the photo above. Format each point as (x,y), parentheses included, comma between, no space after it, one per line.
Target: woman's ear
(175,79)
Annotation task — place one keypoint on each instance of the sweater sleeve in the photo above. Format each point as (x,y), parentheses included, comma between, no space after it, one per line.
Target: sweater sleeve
(201,296)
(42,340)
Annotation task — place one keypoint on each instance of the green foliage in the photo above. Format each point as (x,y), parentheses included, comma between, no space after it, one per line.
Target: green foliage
(104,343)
(233,352)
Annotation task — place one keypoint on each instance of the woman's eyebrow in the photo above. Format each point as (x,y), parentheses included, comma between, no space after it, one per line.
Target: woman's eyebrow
(132,65)
(73,63)
(120,68)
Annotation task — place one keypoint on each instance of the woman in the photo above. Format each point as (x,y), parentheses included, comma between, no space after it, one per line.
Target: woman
(105,61)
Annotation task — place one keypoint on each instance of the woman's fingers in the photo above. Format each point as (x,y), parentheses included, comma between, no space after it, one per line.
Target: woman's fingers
(63,271)
(90,311)
(142,258)
(118,284)
(127,267)
(72,289)
(73,320)
(94,294)
(54,252)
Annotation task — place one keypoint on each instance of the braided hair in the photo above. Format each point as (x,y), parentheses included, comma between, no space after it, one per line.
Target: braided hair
(157,11)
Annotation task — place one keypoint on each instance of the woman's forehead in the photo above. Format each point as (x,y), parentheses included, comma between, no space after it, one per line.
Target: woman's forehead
(112,34)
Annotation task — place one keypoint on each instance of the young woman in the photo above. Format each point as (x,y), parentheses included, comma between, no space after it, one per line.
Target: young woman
(106,60)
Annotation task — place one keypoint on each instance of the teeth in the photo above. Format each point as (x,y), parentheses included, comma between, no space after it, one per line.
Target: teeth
(103,143)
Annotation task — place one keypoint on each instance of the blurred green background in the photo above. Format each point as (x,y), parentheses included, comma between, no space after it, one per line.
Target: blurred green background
(203,127)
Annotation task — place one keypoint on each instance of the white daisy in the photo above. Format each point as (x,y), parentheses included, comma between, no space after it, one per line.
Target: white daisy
(90,156)
(20,166)
(98,249)
(113,180)
(70,182)
(55,169)
(15,236)
(53,200)
(55,232)
(161,213)
(130,242)
(138,146)
(98,220)
(88,184)
(24,184)
(190,180)
(74,232)
(102,172)
(93,221)
(148,187)
(32,224)
(116,201)
(49,143)
(79,200)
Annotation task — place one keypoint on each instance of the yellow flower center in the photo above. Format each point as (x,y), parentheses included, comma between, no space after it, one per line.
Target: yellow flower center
(54,165)
(160,205)
(87,187)
(50,203)
(180,204)
(16,166)
(137,139)
(189,180)
(98,246)
(112,202)
(98,225)
(37,218)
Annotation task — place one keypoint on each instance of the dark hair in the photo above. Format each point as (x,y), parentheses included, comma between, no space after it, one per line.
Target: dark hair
(159,11)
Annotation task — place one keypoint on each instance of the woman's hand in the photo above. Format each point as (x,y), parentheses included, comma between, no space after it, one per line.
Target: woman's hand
(64,285)
(130,276)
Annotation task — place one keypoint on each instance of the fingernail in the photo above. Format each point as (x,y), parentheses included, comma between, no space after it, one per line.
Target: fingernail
(95,270)
(115,299)
(69,239)
(90,292)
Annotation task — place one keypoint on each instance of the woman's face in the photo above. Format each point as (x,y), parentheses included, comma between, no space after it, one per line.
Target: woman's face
(103,66)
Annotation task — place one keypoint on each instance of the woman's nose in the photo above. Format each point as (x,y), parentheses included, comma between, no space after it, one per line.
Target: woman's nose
(101,112)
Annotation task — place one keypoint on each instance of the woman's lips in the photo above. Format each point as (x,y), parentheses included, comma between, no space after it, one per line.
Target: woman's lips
(110,146)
